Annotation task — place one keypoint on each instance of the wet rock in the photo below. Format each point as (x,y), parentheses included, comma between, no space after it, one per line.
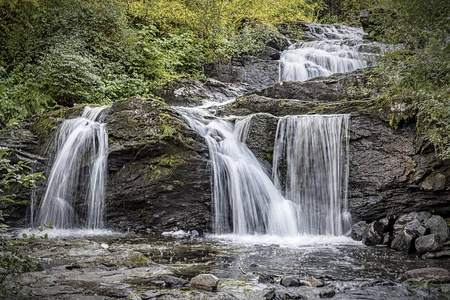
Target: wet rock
(428,243)
(265,277)
(373,235)
(254,72)
(315,282)
(159,177)
(207,282)
(439,254)
(358,230)
(402,242)
(415,228)
(172,281)
(327,294)
(333,88)
(387,239)
(438,226)
(187,92)
(435,275)
(289,281)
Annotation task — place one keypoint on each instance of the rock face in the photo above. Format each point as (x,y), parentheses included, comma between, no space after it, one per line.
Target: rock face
(159,179)
(392,171)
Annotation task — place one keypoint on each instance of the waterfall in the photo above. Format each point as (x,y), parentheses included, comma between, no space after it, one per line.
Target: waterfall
(78,172)
(310,166)
(335,49)
(245,199)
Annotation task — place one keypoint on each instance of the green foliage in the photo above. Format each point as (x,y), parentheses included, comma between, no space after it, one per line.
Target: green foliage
(346,11)
(88,51)
(13,260)
(416,75)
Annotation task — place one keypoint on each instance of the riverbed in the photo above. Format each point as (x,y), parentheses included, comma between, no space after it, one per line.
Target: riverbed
(108,265)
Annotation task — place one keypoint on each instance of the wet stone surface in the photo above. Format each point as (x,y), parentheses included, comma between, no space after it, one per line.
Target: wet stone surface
(137,267)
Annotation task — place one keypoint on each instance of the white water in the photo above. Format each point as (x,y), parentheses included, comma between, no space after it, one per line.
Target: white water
(245,199)
(79,171)
(337,49)
(311,155)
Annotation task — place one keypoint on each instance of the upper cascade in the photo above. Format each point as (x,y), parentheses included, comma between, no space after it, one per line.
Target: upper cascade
(78,172)
(333,49)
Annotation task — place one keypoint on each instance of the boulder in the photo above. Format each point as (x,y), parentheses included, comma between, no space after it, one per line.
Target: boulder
(373,235)
(358,229)
(428,243)
(402,242)
(290,280)
(206,282)
(434,275)
(327,294)
(438,226)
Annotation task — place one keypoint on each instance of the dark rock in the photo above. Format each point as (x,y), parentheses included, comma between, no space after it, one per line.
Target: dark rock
(402,242)
(358,230)
(261,132)
(171,281)
(428,243)
(333,88)
(434,275)
(290,280)
(265,277)
(438,226)
(387,239)
(251,71)
(159,178)
(327,294)
(373,235)
(439,254)
(206,282)
(415,228)
(186,92)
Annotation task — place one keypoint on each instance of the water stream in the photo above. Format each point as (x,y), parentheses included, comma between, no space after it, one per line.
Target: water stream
(335,49)
(78,174)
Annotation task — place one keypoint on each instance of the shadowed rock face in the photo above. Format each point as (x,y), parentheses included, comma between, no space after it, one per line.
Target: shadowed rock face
(392,171)
(159,178)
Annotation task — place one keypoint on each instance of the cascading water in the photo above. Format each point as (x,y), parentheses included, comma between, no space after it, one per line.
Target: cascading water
(336,49)
(79,171)
(245,199)
(308,194)
(310,164)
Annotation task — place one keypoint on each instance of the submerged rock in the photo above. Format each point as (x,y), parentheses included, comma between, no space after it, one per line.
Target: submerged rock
(434,275)
(327,294)
(207,282)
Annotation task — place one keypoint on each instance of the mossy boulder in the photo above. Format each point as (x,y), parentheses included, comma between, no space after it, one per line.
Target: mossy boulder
(159,179)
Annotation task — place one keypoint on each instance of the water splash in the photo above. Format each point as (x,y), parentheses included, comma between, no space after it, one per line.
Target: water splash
(79,171)
(310,166)
(336,49)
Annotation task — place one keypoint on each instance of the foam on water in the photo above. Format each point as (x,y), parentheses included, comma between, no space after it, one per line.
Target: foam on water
(287,242)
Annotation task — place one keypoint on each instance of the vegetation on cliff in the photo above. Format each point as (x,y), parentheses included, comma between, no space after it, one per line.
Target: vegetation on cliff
(415,76)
